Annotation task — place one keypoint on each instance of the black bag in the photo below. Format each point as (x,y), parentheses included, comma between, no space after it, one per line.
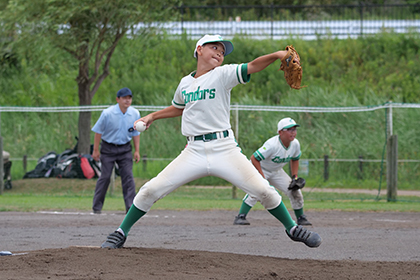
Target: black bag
(43,167)
(68,167)
(64,165)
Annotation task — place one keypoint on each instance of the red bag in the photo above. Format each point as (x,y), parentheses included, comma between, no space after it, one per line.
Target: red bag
(86,168)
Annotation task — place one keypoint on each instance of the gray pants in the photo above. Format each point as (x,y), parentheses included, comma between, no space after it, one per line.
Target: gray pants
(122,155)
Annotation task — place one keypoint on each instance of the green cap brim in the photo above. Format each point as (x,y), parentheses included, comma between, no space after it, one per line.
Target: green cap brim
(289,126)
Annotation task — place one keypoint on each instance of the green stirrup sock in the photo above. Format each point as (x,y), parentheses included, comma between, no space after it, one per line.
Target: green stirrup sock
(133,215)
(281,214)
(298,212)
(245,208)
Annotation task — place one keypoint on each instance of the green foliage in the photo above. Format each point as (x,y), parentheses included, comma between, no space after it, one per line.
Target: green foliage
(350,72)
(387,69)
(87,31)
(74,38)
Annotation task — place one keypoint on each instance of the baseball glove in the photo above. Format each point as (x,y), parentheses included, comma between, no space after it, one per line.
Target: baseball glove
(297,183)
(290,64)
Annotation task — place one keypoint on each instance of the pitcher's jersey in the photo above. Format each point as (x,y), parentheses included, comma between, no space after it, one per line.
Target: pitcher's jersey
(206,99)
(273,155)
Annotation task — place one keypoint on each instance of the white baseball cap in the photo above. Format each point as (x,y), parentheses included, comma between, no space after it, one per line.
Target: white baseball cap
(286,123)
(212,39)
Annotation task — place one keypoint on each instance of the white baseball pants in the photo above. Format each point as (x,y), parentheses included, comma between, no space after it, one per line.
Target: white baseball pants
(221,158)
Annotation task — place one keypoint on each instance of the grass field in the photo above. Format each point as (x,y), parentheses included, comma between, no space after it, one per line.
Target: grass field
(76,195)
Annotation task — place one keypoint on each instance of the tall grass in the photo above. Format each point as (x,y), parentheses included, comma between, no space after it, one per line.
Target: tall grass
(385,66)
(366,71)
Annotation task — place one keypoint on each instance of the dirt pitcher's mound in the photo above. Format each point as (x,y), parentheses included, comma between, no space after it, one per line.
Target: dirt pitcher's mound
(143,263)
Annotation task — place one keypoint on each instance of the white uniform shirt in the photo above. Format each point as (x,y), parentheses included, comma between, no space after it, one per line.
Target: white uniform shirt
(273,155)
(206,99)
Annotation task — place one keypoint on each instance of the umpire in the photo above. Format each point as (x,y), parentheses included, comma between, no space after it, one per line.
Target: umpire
(115,129)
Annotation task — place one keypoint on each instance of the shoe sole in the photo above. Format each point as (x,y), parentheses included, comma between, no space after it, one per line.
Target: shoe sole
(312,241)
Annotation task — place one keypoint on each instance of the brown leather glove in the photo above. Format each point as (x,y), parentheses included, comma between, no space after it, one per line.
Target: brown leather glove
(290,64)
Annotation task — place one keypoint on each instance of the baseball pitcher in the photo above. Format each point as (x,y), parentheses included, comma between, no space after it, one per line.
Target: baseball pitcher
(203,100)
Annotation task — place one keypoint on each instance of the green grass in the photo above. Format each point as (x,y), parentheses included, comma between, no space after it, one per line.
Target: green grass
(342,175)
(76,195)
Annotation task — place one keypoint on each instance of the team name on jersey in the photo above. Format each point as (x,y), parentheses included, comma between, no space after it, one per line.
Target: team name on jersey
(281,160)
(199,94)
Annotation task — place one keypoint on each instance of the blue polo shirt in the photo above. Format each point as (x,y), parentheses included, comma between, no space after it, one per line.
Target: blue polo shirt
(116,127)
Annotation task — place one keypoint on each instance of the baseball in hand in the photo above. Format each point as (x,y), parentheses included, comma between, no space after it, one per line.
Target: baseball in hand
(140,126)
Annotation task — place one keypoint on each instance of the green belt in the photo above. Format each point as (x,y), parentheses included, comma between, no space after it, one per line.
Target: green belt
(210,136)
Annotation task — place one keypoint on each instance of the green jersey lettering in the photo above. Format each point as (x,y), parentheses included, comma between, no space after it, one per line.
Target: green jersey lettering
(198,95)
(277,159)
(185,95)
(205,92)
(212,93)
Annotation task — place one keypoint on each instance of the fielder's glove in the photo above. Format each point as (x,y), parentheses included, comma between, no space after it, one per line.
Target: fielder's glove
(297,183)
(290,64)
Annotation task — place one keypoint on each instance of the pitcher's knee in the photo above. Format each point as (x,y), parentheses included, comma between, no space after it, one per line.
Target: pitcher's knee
(145,198)
(270,199)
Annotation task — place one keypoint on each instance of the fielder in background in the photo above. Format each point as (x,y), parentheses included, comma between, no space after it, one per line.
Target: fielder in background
(203,100)
(115,129)
(269,160)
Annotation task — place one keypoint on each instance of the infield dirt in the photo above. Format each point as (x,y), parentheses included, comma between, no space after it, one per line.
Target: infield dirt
(206,245)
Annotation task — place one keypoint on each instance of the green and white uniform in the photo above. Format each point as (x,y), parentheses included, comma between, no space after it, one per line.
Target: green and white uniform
(273,156)
(206,104)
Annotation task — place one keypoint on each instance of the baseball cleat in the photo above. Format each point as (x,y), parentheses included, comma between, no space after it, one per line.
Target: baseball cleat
(114,241)
(303,221)
(241,220)
(301,234)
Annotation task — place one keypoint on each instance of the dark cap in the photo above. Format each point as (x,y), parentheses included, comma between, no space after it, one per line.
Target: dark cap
(124,92)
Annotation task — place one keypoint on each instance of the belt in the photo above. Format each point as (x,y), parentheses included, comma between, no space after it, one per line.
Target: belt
(115,145)
(209,136)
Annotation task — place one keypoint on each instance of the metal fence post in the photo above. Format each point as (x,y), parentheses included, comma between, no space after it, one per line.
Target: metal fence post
(389,120)
(392,168)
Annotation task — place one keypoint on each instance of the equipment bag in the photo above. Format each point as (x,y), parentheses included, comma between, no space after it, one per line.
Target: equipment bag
(87,169)
(43,167)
